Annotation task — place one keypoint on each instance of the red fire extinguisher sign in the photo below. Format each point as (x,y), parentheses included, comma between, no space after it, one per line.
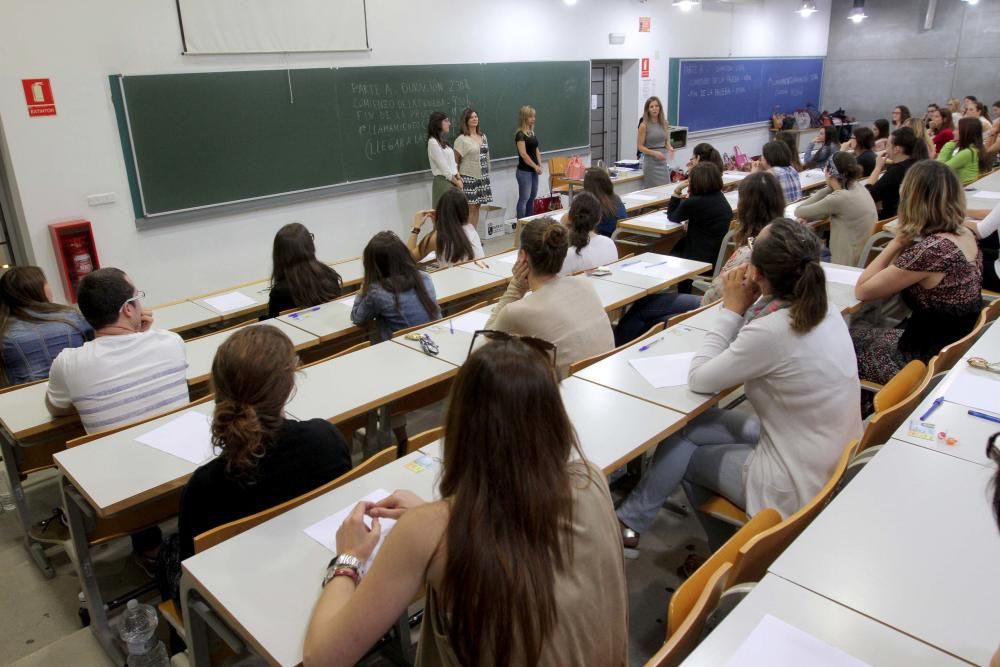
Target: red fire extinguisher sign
(38,95)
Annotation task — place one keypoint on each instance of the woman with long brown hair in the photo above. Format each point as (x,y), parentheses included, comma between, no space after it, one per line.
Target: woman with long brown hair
(298,279)
(967,156)
(777,335)
(473,152)
(33,329)
(588,249)
(598,183)
(453,238)
(520,563)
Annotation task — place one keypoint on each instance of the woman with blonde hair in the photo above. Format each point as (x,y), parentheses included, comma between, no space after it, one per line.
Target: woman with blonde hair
(925,145)
(934,263)
(654,143)
(529,162)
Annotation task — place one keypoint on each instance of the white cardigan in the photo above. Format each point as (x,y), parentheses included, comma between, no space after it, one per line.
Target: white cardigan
(805,390)
(442,159)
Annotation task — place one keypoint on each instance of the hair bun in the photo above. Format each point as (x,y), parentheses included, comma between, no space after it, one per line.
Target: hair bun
(555,235)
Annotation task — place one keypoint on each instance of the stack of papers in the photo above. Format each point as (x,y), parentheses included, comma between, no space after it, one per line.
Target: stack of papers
(325,531)
(188,436)
(668,370)
(659,218)
(225,303)
(778,644)
(470,322)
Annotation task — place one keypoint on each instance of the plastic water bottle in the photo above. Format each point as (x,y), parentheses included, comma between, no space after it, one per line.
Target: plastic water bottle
(138,628)
(6,495)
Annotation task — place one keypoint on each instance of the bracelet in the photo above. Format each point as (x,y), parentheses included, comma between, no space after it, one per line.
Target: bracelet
(347,572)
(414,230)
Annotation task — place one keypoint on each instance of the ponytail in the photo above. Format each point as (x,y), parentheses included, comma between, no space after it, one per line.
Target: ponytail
(788,257)
(584,215)
(808,298)
(238,432)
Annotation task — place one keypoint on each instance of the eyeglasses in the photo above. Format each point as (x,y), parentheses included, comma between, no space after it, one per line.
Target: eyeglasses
(139,295)
(543,347)
(427,343)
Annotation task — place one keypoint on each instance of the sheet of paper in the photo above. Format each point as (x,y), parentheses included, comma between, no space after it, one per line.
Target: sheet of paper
(325,531)
(470,322)
(230,301)
(732,176)
(975,390)
(508,259)
(664,267)
(667,370)
(348,301)
(842,276)
(658,218)
(985,194)
(641,197)
(188,436)
(790,210)
(775,643)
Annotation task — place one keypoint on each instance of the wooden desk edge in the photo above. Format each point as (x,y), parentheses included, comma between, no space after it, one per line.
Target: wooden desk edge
(447,374)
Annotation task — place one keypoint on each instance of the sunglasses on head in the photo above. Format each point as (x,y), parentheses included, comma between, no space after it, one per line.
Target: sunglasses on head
(543,347)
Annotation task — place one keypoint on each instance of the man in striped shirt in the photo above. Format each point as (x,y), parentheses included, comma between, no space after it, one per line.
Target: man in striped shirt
(129,372)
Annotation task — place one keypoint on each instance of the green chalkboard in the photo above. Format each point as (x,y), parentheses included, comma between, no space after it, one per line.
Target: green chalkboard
(193,141)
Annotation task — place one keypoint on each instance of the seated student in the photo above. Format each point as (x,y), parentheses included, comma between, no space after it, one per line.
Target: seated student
(564,602)
(705,153)
(706,213)
(791,139)
(847,204)
(34,330)
(881,129)
(265,458)
(298,279)
(966,156)
(588,250)
(598,183)
(955,108)
(777,158)
(821,149)
(761,201)
(395,294)
(129,372)
(924,147)
(900,115)
(934,263)
(885,188)
(977,110)
(792,352)
(984,224)
(564,310)
(992,138)
(863,145)
(942,129)
(452,239)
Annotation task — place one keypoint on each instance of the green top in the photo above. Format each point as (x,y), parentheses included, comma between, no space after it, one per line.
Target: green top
(965,162)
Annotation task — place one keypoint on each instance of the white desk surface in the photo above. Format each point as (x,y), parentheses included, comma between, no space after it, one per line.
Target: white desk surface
(954,419)
(258,291)
(354,383)
(990,182)
(23,411)
(650,197)
(616,373)
(453,344)
(812,179)
(328,321)
(183,315)
(351,271)
(655,222)
(857,635)
(266,580)
(495,264)
(705,320)
(682,269)
(456,282)
(621,177)
(116,472)
(988,345)
(615,295)
(910,542)
(613,428)
(841,294)
(200,352)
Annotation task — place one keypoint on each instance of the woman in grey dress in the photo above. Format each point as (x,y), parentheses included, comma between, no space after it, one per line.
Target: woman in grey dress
(653,143)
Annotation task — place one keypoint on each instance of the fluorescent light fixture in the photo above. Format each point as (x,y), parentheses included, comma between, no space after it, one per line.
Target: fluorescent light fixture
(857,14)
(686,5)
(570,2)
(971,2)
(807,8)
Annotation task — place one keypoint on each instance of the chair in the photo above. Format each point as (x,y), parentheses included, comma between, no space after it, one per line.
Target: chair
(422,439)
(557,171)
(680,317)
(686,638)
(759,552)
(686,595)
(870,246)
(952,352)
(590,361)
(704,283)
(895,402)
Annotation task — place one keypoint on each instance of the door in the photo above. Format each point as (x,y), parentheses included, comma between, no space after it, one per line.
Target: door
(605,86)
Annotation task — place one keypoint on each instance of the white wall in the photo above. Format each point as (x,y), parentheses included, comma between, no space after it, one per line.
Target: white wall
(58,161)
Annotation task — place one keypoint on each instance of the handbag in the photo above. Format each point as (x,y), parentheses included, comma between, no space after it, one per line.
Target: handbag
(575,168)
(739,158)
(544,204)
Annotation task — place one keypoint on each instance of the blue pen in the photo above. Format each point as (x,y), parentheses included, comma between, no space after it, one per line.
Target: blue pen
(649,266)
(649,345)
(934,406)
(983,415)
(634,261)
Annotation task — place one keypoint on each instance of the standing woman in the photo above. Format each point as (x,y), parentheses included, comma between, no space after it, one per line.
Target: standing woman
(848,205)
(298,279)
(934,263)
(822,148)
(654,143)
(473,152)
(441,156)
(529,163)
(453,239)
(967,156)
(34,330)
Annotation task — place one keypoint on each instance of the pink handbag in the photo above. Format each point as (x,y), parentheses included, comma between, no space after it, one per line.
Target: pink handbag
(739,157)
(575,168)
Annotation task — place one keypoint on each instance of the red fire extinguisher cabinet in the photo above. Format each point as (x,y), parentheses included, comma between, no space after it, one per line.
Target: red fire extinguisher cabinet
(76,253)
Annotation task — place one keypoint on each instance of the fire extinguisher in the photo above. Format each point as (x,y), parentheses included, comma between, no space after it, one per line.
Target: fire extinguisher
(80,257)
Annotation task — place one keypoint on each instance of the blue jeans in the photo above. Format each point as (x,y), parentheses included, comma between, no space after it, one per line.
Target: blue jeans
(527,190)
(708,456)
(651,309)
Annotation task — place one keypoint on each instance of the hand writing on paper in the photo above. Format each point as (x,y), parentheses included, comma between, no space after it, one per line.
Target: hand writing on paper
(354,537)
(392,507)
(739,290)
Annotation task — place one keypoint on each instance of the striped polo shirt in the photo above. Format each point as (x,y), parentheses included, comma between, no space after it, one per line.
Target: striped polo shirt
(116,380)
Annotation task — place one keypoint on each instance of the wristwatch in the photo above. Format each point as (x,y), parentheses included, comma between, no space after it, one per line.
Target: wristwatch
(342,561)
(414,230)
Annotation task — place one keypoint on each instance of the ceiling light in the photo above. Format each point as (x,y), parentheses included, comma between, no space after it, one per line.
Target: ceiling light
(570,2)
(807,8)
(686,5)
(857,14)
(971,2)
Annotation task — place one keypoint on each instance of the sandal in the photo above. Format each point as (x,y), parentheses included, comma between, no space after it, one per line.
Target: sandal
(52,530)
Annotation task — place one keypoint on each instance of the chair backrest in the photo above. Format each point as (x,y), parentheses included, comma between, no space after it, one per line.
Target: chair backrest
(759,552)
(210,538)
(991,311)
(870,246)
(727,241)
(415,442)
(590,361)
(952,352)
(880,224)
(901,385)
(403,332)
(84,439)
(895,402)
(557,169)
(685,639)
(686,595)
(680,317)
(354,348)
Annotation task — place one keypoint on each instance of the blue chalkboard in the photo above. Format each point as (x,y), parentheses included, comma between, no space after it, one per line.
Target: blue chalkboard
(709,93)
